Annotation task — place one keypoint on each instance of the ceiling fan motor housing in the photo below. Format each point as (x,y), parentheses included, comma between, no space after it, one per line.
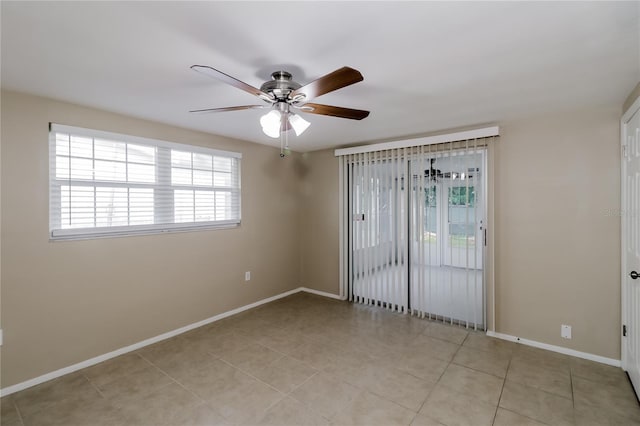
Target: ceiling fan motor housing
(281,85)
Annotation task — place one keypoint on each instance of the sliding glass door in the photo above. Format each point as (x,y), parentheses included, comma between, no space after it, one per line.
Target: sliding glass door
(447,215)
(378,232)
(416,234)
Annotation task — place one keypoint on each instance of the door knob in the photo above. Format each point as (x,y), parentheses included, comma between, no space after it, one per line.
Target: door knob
(634,275)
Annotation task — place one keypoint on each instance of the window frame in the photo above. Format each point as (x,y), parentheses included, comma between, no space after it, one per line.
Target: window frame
(163,183)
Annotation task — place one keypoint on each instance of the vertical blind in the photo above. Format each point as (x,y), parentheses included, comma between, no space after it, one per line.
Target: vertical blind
(379,231)
(105,183)
(415,229)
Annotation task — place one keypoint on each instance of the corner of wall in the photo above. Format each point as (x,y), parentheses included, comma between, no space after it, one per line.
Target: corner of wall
(635,94)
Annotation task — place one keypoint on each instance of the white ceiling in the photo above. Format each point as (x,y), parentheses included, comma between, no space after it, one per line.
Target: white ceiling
(427,66)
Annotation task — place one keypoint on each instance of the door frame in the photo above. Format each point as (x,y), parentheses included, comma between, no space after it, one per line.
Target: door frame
(624,283)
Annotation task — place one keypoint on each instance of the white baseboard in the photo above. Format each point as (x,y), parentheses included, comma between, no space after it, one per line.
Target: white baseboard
(101,358)
(322,293)
(559,349)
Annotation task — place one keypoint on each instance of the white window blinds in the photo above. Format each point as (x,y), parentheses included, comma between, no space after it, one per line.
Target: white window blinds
(105,184)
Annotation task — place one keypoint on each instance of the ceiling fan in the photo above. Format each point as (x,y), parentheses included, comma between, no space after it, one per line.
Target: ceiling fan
(283,96)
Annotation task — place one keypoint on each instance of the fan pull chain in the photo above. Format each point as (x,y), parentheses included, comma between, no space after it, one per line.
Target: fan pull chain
(287,151)
(281,145)
(284,139)
(282,136)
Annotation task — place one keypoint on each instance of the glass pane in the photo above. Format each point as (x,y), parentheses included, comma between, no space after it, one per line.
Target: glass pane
(461,235)
(202,178)
(62,144)
(202,161)
(81,147)
(141,154)
(222,164)
(180,159)
(110,150)
(205,206)
(430,196)
(461,205)
(80,207)
(431,214)
(110,170)
(385,209)
(111,207)
(62,167)
(65,205)
(180,176)
(183,206)
(222,179)
(458,196)
(223,205)
(81,168)
(142,173)
(141,206)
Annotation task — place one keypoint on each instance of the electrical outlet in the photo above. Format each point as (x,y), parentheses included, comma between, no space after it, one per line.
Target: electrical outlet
(565,331)
(247,276)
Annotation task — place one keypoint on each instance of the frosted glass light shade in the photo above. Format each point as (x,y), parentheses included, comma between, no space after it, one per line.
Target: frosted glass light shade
(298,123)
(270,123)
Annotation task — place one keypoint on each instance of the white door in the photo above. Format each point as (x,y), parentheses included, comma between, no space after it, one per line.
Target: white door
(631,244)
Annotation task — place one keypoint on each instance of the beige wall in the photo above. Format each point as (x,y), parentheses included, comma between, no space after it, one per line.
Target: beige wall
(557,243)
(65,302)
(320,235)
(557,247)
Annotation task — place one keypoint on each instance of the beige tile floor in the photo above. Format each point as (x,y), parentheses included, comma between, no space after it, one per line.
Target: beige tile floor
(307,360)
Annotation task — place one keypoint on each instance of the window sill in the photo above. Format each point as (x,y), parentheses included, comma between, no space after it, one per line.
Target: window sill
(74,235)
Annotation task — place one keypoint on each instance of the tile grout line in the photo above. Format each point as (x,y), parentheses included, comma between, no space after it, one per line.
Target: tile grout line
(93,385)
(522,415)
(254,377)
(97,388)
(46,407)
(504,382)
(283,355)
(290,394)
(15,406)
(438,380)
(573,399)
(481,371)
(173,379)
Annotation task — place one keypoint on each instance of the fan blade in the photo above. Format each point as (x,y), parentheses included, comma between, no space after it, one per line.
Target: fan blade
(338,79)
(233,108)
(334,111)
(219,75)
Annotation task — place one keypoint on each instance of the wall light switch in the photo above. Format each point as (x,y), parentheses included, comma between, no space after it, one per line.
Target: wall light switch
(565,331)
(247,276)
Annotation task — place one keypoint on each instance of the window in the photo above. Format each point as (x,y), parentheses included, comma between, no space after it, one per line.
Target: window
(462,221)
(109,184)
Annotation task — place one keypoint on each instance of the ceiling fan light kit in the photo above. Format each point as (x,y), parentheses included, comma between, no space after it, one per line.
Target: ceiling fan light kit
(271,123)
(280,120)
(282,94)
(298,123)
